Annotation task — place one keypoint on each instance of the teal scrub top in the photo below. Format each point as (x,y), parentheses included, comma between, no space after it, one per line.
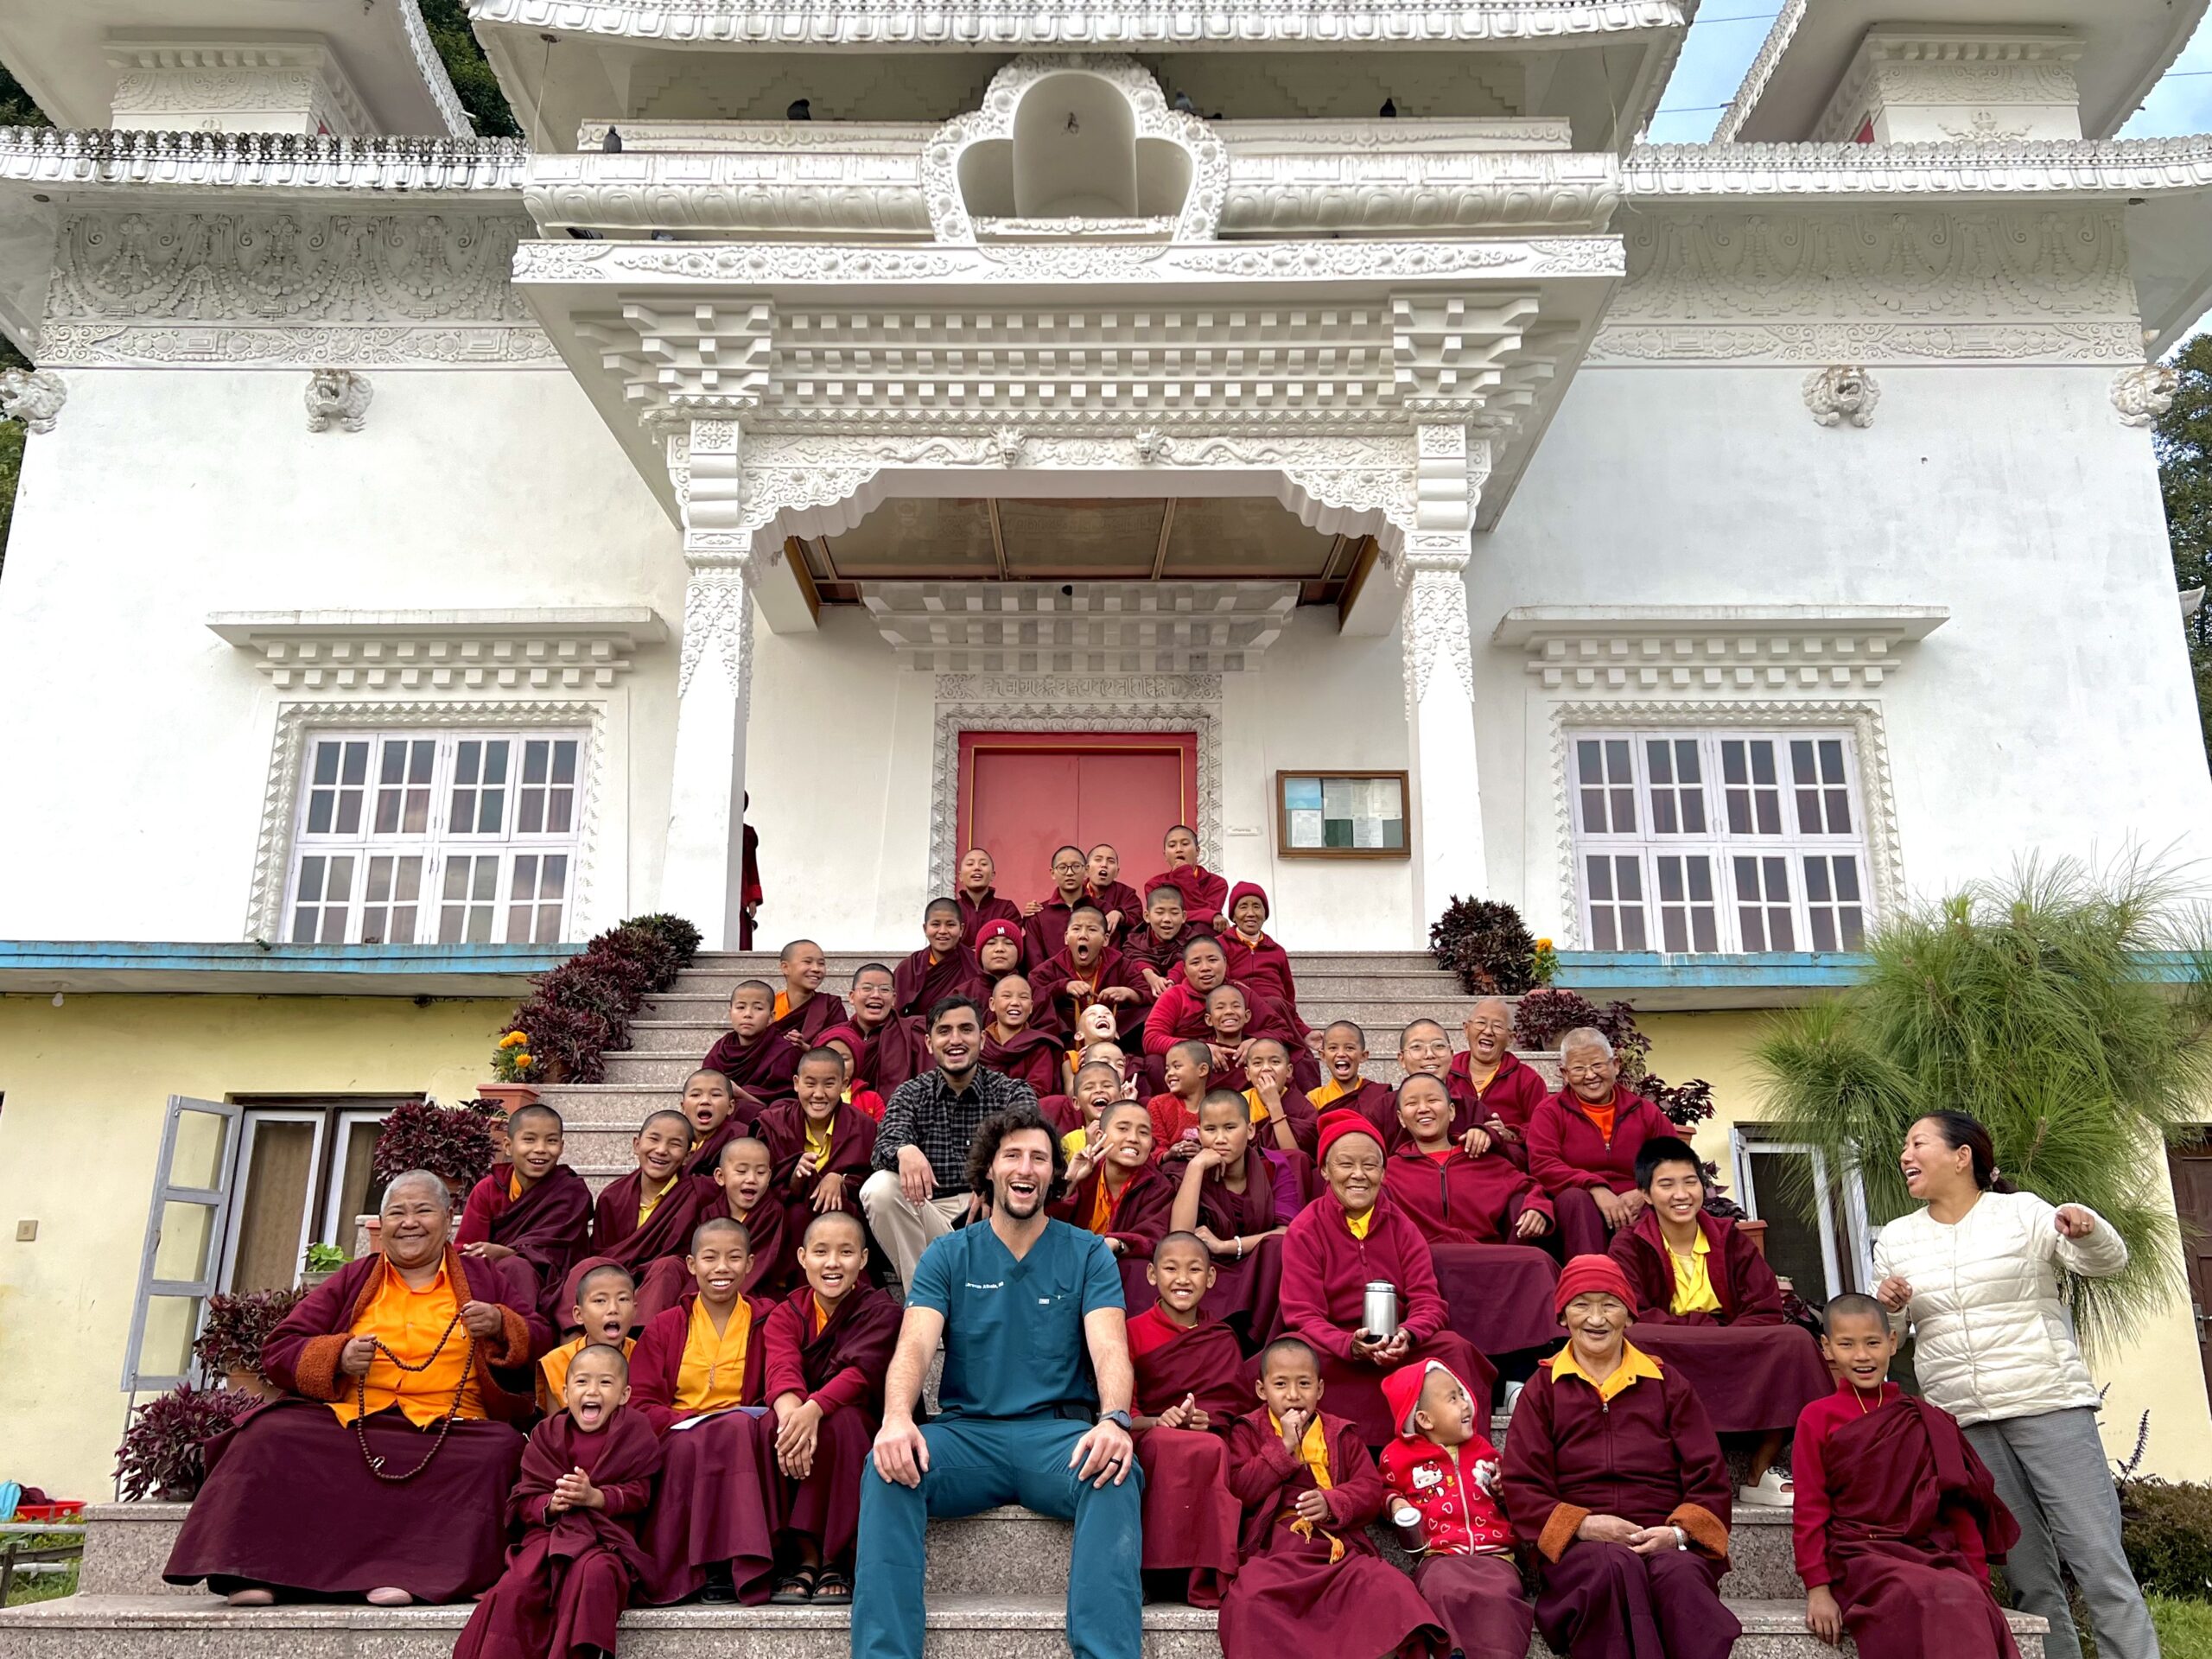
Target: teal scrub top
(1013,1340)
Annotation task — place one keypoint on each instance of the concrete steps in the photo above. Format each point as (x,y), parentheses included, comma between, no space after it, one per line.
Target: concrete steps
(995,1584)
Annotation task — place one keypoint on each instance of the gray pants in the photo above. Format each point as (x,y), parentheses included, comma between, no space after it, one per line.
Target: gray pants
(2051,1472)
(903,1230)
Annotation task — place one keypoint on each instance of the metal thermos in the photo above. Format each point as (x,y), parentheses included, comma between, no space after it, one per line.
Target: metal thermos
(1379,1316)
(1406,1520)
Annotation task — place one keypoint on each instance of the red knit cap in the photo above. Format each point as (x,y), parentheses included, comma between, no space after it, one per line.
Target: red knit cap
(1336,1125)
(1587,1274)
(997,928)
(1249,890)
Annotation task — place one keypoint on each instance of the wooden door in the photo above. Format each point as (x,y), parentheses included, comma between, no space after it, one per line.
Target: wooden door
(1024,793)
(2191,1167)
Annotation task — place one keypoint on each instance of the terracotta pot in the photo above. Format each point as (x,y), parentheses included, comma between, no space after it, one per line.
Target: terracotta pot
(245,1379)
(308,1281)
(1756,1231)
(511,1096)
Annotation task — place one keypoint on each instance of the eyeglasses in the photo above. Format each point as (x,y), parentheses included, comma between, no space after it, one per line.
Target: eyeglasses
(1595,1070)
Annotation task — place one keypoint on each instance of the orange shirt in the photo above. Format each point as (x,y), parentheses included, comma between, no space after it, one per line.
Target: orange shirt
(1327,1094)
(553,1370)
(1101,1207)
(514,1185)
(409,1323)
(821,1316)
(712,1375)
(1603,1117)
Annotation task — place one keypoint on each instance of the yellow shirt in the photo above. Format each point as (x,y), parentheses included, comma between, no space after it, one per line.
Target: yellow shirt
(1259,1106)
(712,1375)
(1074,1141)
(1694,1291)
(651,1200)
(409,1323)
(817,1142)
(1314,1452)
(553,1370)
(1635,1363)
(1360,1224)
(1327,1095)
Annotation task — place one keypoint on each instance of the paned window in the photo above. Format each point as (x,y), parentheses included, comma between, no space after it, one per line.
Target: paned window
(414,838)
(1719,841)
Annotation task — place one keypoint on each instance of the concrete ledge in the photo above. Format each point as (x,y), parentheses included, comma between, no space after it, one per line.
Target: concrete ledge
(126,1546)
(42,967)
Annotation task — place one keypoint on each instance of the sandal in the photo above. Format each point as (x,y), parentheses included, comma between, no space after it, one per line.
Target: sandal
(833,1587)
(795,1588)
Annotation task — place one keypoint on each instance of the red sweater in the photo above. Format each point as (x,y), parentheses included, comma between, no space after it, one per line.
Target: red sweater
(1265,967)
(1748,1291)
(1180,1016)
(1461,1200)
(1203,893)
(1458,1515)
(1566,1148)
(1325,1273)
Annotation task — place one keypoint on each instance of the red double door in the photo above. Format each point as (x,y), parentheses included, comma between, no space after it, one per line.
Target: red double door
(1024,793)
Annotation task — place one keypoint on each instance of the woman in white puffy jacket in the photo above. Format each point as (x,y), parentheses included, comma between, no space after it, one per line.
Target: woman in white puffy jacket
(1975,1271)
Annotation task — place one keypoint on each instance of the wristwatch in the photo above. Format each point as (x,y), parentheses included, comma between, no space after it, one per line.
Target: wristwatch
(1119,1418)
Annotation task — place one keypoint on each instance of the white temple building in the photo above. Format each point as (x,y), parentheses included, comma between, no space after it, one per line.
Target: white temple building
(1326,424)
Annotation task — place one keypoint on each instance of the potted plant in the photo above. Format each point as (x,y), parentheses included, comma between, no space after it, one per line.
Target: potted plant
(511,1061)
(229,1343)
(1485,944)
(322,1261)
(453,1142)
(159,1460)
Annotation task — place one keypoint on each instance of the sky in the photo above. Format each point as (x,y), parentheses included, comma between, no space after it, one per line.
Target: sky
(1726,36)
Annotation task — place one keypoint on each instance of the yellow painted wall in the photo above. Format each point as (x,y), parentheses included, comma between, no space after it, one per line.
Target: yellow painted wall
(85,1087)
(2161,1373)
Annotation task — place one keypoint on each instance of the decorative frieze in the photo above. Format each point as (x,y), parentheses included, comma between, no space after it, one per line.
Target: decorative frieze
(262,161)
(436,652)
(1117,628)
(232,86)
(1722,650)
(1785,175)
(1923,85)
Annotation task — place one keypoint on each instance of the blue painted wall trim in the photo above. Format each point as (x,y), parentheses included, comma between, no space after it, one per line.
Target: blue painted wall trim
(504,960)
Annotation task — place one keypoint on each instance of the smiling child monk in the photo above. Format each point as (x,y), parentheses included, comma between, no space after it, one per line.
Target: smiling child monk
(535,1214)
(1153,951)
(1310,1580)
(1344,1051)
(1086,972)
(1189,1071)
(892,1047)
(818,1145)
(602,1310)
(1013,1046)
(751,1054)
(720,1112)
(587,1475)
(1189,1386)
(978,899)
(945,966)
(828,1344)
(696,1377)
(1205,895)
(803,1010)
(1046,930)
(1118,902)
(649,1212)
(1237,1205)
(1113,1189)
(744,1184)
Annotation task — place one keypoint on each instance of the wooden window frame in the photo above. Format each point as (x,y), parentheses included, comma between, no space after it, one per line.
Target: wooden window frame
(1364,774)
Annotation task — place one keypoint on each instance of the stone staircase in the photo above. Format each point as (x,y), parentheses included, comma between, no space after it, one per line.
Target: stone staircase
(996,1590)
(1380,990)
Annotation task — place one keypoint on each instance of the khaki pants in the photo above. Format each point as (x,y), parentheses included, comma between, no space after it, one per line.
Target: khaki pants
(902,1230)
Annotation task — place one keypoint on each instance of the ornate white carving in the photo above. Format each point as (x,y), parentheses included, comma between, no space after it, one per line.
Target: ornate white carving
(2026,167)
(34,396)
(312,288)
(1115,627)
(1719,650)
(1843,394)
(1869,342)
(1898,76)
(2144,393)
(1436,628)
(1864,717)
(229,85)
(339,396)
(280,798)
(249,161)
(432,67)
(437,651)
(718,617)
(1053,704)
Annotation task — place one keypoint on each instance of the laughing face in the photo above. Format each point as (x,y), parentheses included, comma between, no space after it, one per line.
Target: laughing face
(1354,1172)
(834,1255)
(1181,1272)
(596,1384)
(1424,1108)
(1677,1193)
(719,1262)
(606,1306)
(957,1041)
(1021,1174)
(707,1102)
(1594,1321)
(874,996)
(1425,1048)
(1489,1032)
(742,1174)
(1011,1003)
(1859,1345)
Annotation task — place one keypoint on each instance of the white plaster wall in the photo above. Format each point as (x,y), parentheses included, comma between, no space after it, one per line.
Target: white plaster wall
(2052,713)
(137,744)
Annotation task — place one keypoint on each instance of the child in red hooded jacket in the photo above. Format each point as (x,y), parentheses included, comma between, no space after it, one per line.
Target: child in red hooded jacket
(1443,1470)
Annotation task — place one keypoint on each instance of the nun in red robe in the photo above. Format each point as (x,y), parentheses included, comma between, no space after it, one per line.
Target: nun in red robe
(710,1133)
(1609,1445)
(1482,1217)
(635,1245)
(1190,1387)
(1088,962)
(1017,1048)
(783,1130)
(743,1190)
(572,1571)
(1351,1237)
(1256,961)
(1509,1093)
(1577,1145)
(1307,1585)
(802,1010)
(545,1226)
(1900,1519)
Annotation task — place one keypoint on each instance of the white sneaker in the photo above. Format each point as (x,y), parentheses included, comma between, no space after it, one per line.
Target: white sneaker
(1772,1490)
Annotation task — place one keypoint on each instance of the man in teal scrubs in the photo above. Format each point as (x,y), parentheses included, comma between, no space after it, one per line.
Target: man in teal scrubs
(1030,1313)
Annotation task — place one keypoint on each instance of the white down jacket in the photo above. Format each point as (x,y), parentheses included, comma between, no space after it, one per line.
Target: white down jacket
(1994,1339)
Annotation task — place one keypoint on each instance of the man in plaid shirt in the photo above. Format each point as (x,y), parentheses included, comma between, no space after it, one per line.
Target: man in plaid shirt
(920,1190)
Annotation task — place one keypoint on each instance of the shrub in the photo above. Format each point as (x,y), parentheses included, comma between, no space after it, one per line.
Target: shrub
(567,1045)
(585,1006)
(653,951)
(2166,1528)
(1541,1018)
(159,1458)
(452,1142)
(235,1327)
(1484,943)
(683,939)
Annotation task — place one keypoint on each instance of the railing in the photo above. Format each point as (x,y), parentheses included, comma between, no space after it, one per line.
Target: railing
(18,1556)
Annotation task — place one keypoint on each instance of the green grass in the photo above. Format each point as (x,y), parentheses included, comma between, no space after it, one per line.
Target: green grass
(2184,1627)
(50,1586)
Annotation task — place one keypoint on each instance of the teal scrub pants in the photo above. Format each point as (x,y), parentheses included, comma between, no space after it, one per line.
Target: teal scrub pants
(977,1463)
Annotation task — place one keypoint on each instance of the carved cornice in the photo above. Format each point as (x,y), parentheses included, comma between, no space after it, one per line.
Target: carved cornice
(432,67)
(260,161)
(440,651)
(1767,60)
(1014,25)
(1787,173)
(1801,345)
(1720,651)
(300,77)
(1123,628)
(2026,74)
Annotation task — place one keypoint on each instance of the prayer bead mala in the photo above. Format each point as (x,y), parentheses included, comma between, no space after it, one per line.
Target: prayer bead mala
(362,1402)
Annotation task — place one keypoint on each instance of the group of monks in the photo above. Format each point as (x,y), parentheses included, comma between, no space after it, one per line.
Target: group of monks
(702,1348)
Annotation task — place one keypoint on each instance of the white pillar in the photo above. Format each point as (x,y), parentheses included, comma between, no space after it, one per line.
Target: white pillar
(1447,826)
(702,879)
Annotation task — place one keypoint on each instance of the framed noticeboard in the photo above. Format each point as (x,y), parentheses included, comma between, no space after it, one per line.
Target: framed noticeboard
(1341,815)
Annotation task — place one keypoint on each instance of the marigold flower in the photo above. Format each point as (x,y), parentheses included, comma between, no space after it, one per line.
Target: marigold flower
(522,1062)
(513,1039)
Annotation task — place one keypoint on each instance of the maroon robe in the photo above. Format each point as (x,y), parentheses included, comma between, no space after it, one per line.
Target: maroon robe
(990,908)
(892,1053)
(571,1573)
(1203,893)
(1899,1517)
(667,1232)
(1570,1156)
(546,1228)
(1512,1095)
(1180,1016)
(1372,1101)
(1031,1056)
(1057,1011)
(921,981)
(1138,1219)
(750,893)
(809,1020)
(768,1230)
(1264,968)
(782,1129)
(1499,1289)
(1141,947)
(720,1497)
(1325,1273)
(762,1068)
(840,1367)
(1191,1520)
(1044,933)
(744,1112)
(1288,1596)
(289,1500)
(1649,1456)
(1753,1371)
(1117,896)
(1248,1293)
